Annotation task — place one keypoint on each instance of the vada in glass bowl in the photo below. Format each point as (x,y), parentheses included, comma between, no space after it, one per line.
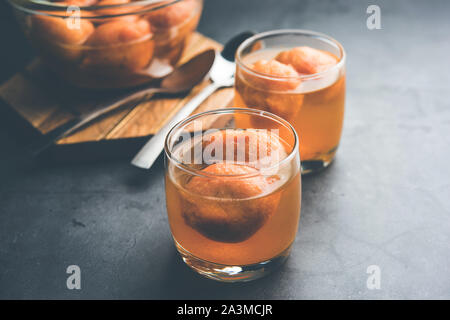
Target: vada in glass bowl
(101,44)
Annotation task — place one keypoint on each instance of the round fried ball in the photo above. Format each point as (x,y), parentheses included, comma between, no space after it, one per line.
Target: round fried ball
(276,96)
(120,44)
(218,210)
(119,32)
(255,148)
(307,60)
(275,69)
(57,38)
(60,30)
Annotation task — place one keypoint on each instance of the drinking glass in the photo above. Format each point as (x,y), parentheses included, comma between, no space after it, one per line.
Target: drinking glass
(233,192)
(313,102)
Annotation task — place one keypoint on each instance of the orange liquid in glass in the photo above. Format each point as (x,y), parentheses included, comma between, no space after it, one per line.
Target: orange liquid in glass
(263,225)
(316,111)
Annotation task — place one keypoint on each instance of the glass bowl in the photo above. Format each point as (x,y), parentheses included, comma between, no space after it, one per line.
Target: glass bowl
(109,43)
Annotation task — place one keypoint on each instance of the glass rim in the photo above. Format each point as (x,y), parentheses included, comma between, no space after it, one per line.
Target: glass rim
(198,172)
(279,32)
(38,6)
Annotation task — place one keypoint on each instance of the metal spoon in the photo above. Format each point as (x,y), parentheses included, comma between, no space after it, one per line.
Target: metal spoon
(221,74)
(181,80)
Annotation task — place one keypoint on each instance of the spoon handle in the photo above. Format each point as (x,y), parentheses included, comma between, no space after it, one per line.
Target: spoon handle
(151,150)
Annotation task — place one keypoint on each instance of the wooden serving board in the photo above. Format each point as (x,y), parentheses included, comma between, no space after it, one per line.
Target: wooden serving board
(43,101)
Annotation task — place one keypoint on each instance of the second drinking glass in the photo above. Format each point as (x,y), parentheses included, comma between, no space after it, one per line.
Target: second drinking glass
(300,76)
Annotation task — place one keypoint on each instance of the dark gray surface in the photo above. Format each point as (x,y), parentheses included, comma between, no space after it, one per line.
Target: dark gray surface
(385,201)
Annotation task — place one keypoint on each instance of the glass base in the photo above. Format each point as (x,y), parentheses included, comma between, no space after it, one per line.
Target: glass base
(314,166)
(317,165)
(232,273)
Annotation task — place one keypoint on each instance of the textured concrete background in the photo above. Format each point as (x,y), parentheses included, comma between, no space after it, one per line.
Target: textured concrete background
(385,201)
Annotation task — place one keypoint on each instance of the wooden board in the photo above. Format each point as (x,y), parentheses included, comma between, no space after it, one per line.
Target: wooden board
(45,102)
